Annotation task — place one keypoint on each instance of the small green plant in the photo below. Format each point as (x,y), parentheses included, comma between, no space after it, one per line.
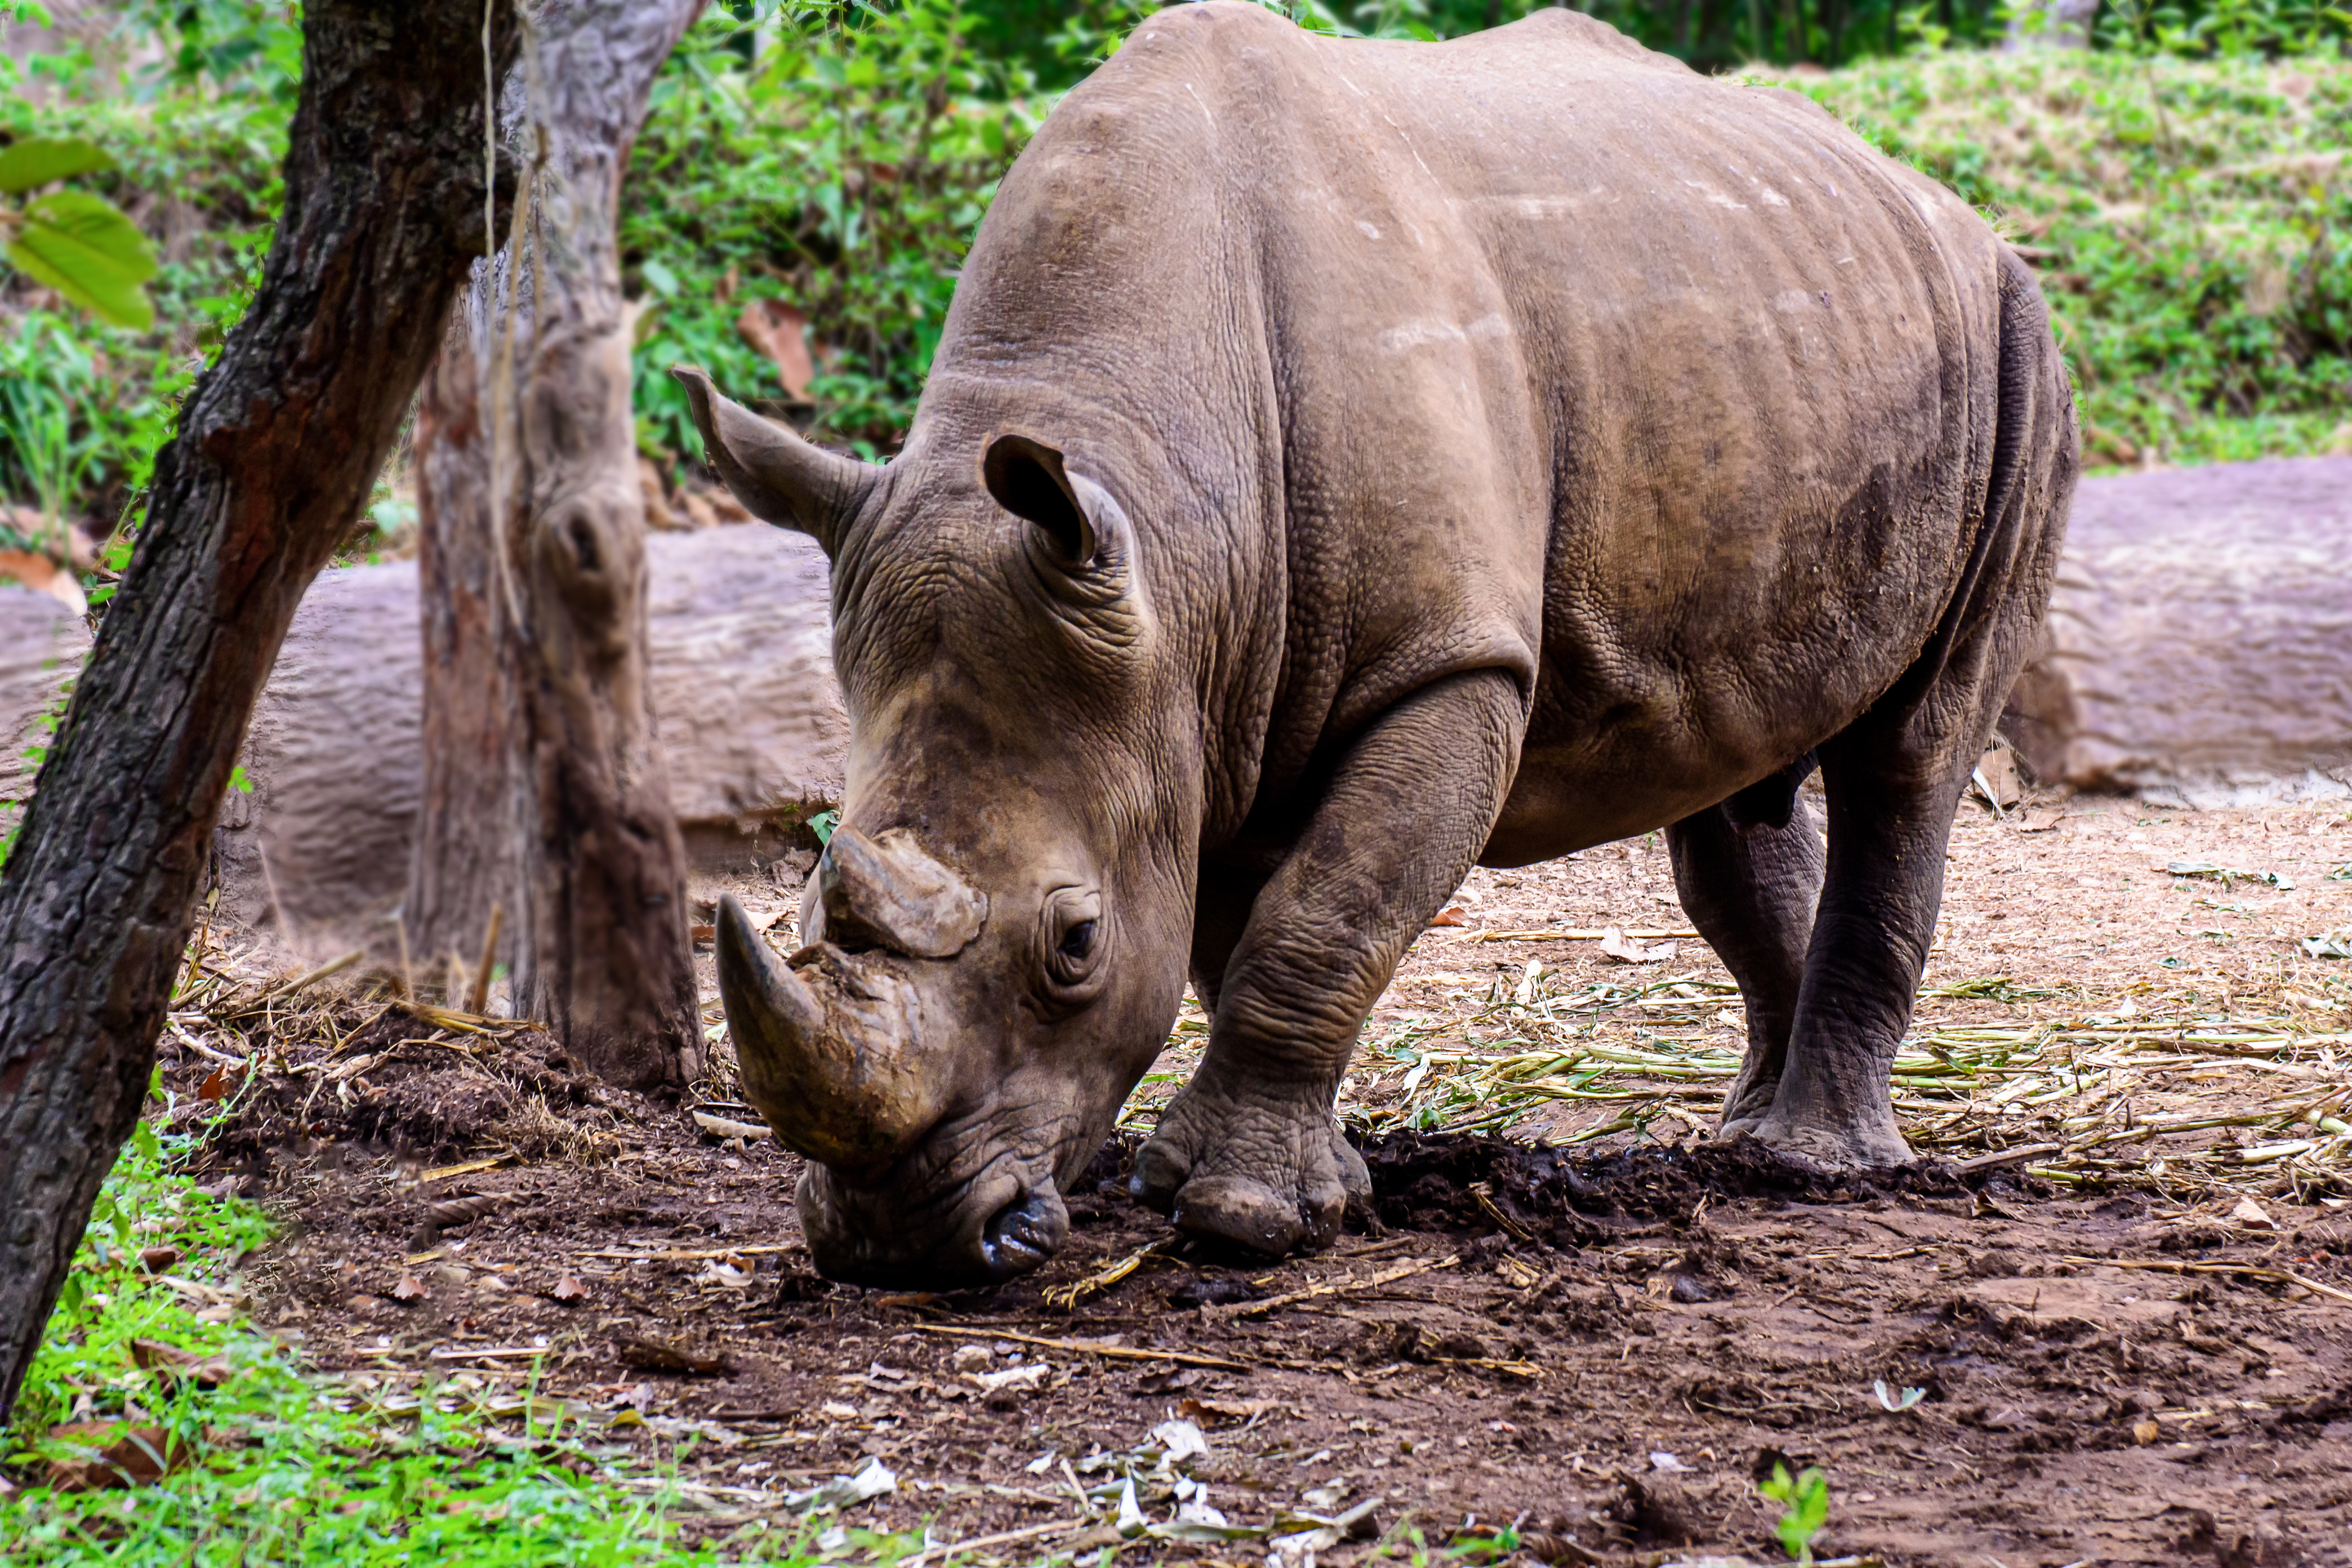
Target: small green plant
(70,240)
(1807,1502)
(285,1466)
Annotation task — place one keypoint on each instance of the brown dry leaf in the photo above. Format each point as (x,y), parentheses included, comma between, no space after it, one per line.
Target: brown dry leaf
(216,1087)
(781,332)
(410,1288)
(1207,1411)
(655,497)
(1996,781)
(158,1259)
(1616,944)
(2042,818)
(569,1288)
(1451,915)
(44,575)
(203,1371)
(2146,1432)
(456,1212)
(137,1456)
(650,1354)
(2252,1215)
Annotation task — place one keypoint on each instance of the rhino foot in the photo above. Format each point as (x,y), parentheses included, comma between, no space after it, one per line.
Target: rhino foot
(1869,1144)
(1272,1182)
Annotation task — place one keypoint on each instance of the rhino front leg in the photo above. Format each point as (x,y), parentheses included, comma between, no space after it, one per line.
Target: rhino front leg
(1250,1152)
(1748,871)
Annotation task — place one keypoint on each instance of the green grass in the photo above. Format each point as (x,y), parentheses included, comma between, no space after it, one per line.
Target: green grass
(292,1467)
(2188,220)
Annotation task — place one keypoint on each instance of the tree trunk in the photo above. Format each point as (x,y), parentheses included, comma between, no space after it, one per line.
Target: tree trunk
(276,449)
(535,628)
(465,860)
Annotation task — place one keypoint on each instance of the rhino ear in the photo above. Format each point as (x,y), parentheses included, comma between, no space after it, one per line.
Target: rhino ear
(1028,480)
(778,476)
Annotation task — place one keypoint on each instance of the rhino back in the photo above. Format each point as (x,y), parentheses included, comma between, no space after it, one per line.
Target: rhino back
(1531,351)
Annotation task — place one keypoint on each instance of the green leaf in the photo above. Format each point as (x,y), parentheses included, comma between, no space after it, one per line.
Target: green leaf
(822,824)
(240,779)
(82,247)
(38,161)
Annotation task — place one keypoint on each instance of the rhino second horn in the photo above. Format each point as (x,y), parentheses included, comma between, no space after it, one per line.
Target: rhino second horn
(778,477)
(834,1059)
(886,892)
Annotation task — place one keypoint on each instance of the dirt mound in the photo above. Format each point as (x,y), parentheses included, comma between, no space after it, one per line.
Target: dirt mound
(399,1086)
(1476,1185)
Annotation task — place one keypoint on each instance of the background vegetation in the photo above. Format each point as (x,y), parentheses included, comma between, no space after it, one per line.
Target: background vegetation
(2180,186)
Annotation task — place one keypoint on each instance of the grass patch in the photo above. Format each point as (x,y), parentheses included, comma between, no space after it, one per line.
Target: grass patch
(2188,220)
(274,1462)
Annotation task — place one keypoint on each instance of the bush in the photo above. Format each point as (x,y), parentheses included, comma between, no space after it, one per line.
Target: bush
(835,157)
(2189,220)
(841,170)
(198,142)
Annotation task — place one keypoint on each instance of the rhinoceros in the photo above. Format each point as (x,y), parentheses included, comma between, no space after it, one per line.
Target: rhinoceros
(1344,462)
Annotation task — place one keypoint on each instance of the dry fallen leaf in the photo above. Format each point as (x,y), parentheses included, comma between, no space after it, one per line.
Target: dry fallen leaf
(780,332)
(140,1454)
(158,1259)
(1451,915)
(44,575)
(1208,1411)
(410,1288)
(1616,944)
(176,1365)
(2146,1432)
(569,1288)
(660,1355)
(2252,1215)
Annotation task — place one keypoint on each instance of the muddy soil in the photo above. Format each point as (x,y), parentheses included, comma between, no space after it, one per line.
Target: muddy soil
(1604,1345)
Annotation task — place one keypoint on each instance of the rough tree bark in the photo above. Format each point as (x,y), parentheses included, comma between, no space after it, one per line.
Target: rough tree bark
(537,661)
(276,449)
(465,859)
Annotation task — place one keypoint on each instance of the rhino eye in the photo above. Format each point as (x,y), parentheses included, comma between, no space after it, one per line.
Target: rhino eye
(1071,941)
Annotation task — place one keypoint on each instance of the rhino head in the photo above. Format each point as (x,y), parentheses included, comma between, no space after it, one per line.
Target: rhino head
(994,939)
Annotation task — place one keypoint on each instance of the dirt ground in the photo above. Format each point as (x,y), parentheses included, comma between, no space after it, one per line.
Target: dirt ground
(2109,1320)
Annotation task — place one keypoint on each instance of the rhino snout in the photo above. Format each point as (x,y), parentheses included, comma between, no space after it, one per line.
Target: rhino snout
(1025,1232)
(1001,1226)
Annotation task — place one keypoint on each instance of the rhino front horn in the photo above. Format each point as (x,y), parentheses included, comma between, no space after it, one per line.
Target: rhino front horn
(830,1049)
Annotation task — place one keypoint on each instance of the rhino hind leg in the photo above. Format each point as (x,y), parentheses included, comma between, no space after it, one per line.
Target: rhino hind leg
(1893,777)
(1250,1152)
(1748,871)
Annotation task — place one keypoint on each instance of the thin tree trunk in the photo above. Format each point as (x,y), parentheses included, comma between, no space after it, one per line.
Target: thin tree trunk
(275,452)
(465,860)
(543,651)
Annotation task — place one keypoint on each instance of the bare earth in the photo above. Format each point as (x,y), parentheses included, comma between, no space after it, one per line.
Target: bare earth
(2130,1317)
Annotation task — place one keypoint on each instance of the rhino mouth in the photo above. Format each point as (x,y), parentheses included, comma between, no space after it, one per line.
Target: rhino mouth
(998,1224)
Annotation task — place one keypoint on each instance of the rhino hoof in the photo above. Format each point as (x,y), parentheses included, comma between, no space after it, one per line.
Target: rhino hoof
(1247,1213)
(1831,1150)
(1299,1209)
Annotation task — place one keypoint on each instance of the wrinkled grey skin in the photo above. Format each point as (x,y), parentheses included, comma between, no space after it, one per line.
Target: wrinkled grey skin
(1345,462)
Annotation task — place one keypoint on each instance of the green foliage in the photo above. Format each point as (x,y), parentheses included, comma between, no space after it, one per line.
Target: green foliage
(1807,1502)
(843,171)
(78,244)
(192,159)
(2187,219)
(293,1467)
